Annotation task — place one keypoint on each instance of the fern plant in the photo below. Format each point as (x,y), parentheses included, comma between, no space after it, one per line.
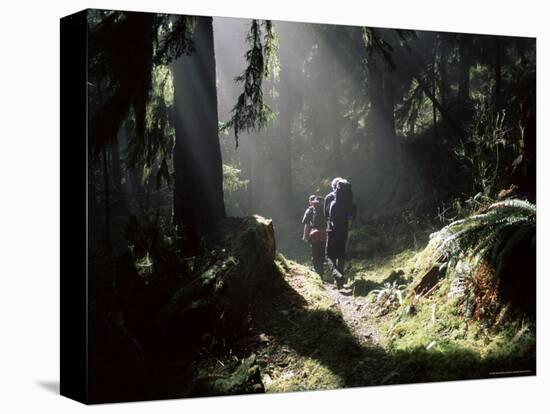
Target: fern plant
(490,236)
(389,294)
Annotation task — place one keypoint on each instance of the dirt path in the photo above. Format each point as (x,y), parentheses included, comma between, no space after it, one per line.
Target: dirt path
(356,312)
(311,336)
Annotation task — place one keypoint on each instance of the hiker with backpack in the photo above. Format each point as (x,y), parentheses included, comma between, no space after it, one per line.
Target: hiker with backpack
(339,210)
(315,232)
(330,196)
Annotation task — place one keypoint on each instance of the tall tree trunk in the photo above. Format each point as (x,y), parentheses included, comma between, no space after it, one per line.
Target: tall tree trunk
(434,88)
(385,155)
(418,65)
(442,66)
(332,117)
(132,175)
(464,64)
(498,73)
(198,190)
(382,108)
(121,167)
(286,115)
(115,163)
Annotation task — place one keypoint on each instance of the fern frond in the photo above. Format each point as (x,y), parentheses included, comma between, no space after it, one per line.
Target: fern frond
(522,205)
(490,236)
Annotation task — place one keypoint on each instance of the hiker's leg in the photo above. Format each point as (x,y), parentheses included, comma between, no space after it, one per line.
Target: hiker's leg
(332,257)
(331,260)
(313,254)
(341,260)
(318,253)
(330,253)
(336,250)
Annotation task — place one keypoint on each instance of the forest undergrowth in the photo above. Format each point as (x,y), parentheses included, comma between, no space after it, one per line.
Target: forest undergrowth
(417,314)
(428,309)
(312,336)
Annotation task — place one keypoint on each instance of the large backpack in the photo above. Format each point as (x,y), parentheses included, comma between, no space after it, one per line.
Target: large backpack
(342,205)
(319,220)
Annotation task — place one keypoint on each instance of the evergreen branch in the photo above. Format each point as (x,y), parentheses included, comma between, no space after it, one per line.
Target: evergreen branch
(250,111)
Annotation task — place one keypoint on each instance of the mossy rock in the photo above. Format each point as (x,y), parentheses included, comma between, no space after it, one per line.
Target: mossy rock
(218,297)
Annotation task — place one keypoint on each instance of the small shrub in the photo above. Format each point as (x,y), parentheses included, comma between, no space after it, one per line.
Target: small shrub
(389,295)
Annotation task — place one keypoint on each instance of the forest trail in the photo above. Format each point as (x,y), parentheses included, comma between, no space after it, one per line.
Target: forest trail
(355,311)
(311,336)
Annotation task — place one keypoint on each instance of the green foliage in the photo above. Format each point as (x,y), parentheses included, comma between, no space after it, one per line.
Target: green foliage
(270,51)
(150,238)
(436,343)
(389,294)
(411,115)
(375,43)
(491,234)
(458,208)
(489,150)
(477,256)
(154,153)
(144,266)
(244,379)
(232,181)
(130,83)
(430,339)
(174,38)
(251,112)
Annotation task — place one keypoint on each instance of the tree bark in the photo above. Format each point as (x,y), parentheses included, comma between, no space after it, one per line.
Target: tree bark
(332,117)
(442,66)
(115,163)
(385,155)
(417,67)
(465,61)
(198,193)
(286,115)
(498,73)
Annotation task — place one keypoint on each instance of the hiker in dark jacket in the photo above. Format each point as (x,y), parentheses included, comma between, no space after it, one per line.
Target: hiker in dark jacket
(330,196)
(315,232)
(339,209)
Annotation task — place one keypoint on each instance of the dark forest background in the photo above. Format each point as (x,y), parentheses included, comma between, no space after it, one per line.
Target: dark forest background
(416,120)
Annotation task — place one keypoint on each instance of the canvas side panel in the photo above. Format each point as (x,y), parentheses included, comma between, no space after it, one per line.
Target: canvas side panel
(74,245)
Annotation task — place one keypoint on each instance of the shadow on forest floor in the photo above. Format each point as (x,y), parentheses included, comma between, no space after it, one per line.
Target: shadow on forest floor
(303,339)
(314,329)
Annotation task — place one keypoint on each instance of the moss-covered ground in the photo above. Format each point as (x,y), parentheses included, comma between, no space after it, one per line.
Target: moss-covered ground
(431,337)
(310,336)
(304,334)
